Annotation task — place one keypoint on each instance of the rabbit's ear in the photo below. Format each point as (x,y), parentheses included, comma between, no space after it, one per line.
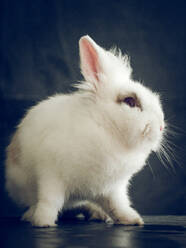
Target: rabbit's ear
(90,59)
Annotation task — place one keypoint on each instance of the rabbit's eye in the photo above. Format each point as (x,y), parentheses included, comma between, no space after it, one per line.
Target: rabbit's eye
(131,101)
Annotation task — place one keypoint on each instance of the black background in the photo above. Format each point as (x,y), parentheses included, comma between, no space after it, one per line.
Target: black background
(39,57)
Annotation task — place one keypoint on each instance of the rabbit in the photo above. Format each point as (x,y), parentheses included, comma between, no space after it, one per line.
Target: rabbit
(82,148)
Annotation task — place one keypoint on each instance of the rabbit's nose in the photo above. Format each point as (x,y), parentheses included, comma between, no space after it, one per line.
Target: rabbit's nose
(162,126)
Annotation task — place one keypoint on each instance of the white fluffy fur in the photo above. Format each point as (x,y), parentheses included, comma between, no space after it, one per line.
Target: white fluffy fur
(85,145)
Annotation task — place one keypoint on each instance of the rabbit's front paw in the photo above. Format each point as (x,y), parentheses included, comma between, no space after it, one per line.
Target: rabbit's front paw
(40,221)
(43,217)
(132,218)
(129,221)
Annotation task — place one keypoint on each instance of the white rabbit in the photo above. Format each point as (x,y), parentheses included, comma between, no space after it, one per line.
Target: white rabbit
(87,145)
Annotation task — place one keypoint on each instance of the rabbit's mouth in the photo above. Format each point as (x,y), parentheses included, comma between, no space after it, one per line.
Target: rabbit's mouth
(153,135)
(146,130)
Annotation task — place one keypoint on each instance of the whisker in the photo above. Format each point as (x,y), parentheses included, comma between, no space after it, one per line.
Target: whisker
(175,128)
(171,132)
(171,149)
(170,145)
(170,118)
(158,154)
(151,169)
(165,153)
(164,157)
(172,152)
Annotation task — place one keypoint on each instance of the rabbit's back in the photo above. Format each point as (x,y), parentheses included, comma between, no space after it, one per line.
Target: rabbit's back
(58,136)
(32,145)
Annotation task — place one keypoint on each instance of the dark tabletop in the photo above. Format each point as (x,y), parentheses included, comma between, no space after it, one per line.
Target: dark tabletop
(159,231)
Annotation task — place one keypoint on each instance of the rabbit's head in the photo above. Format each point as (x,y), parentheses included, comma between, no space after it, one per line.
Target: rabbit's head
(132,112)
